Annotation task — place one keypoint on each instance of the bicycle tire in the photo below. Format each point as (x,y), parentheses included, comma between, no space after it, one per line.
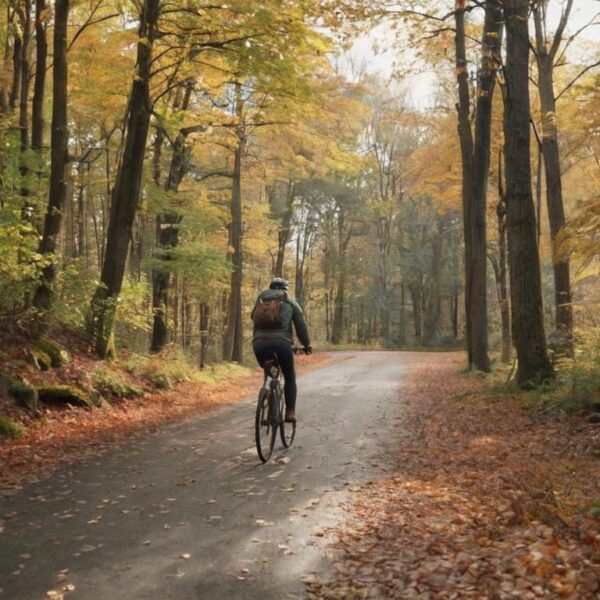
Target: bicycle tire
(264,431)
(287,431)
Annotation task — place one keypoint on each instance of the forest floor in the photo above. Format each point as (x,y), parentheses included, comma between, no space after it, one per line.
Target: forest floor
(64,434)
(491,497)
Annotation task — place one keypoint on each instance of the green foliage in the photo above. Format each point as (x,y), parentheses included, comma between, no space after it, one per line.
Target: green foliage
(24,394)
(57,354)
(75,286)
(162,370)
(172,366)
(110,383)
(9,428)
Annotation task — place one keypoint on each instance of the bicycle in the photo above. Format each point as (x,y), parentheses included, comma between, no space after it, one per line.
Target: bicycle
(270,410)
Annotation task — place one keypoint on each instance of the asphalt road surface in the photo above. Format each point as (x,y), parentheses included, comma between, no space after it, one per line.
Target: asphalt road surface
(189,512)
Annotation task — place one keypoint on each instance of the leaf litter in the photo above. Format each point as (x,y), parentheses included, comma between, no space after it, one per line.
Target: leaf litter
(487,500)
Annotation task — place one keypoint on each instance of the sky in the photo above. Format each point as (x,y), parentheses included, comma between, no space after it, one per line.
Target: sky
(376,51)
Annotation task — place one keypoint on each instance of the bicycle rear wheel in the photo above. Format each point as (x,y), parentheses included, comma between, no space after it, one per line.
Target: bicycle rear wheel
(264,430)
(287,431)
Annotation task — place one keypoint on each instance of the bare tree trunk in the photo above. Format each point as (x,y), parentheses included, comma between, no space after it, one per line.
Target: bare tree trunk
(233,343)
(490,59)
(416,294)
(503,295)
(167,238)
(41,53)
(25,17)
(4,91)
(204,325)
(57,195)
(126,191)
(434,301)
(465,135)
(525,280)
(15,90)
(556,214)
(285,229)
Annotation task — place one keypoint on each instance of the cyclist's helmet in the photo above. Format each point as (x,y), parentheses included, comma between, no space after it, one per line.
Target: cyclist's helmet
(279,284)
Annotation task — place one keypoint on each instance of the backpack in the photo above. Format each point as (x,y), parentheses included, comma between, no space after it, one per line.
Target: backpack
(267,312)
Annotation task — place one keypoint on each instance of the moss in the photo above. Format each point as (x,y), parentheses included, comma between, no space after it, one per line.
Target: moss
(64,394)
(40,359)
(9,428)
(100,323)
(112,384)
(160,380)
(58,355)
(25,395)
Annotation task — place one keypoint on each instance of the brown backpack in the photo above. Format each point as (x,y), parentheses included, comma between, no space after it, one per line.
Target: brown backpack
(267,314)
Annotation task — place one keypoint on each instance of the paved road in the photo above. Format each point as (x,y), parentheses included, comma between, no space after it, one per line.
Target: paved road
(188,512)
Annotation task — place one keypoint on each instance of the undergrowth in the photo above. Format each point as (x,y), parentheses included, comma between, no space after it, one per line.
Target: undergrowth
(575,390)
(9,428)
(172,366)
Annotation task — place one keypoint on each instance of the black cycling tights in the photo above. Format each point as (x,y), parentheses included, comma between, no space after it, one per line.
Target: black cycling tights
(264,350)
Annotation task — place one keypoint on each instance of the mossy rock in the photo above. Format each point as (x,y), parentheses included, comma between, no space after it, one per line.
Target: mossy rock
(65,394)
(25,395)
(112,384)
(58,355)
(9,428)
(39,359)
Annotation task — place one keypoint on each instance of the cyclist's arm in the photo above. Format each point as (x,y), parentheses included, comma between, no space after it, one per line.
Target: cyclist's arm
(300,324)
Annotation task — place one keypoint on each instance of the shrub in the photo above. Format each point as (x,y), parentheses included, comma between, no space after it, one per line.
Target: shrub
(9,429)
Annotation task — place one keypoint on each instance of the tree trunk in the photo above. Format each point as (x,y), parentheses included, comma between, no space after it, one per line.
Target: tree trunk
(167,238)
(24,97)
(434,301)
(465,136)
(338,312)
(490,59)
(525,281)
(233,343)
(15,90)
(556,213)
(416,296)
(41,53)
(126,191)
(503,284)
(285,229)
(6,54)
(204,324)
(57,195)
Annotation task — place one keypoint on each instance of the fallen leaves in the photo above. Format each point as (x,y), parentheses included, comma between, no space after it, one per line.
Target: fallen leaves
(486,501)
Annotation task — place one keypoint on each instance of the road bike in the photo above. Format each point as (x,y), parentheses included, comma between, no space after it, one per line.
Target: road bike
(270,411)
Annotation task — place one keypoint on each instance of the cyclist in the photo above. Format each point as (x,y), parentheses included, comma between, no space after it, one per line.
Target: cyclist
(273,315)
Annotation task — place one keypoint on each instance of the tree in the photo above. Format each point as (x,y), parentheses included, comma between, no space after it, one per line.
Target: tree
(58,156)
(475,153)
(546,51)
(125,194)
(525,281)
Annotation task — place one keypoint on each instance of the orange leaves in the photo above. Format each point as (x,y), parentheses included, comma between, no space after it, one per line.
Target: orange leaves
(484,497)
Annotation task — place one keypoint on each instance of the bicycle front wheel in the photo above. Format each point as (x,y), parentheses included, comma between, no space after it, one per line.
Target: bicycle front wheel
(264,430)
(287,431)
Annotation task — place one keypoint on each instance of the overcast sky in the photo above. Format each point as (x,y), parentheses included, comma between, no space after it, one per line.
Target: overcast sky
(382,60)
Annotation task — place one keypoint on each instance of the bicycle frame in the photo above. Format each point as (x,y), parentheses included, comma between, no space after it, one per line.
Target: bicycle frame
(272,372)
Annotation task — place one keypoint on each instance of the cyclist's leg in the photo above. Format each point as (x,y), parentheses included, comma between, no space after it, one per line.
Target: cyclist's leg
(285,355)
(263,350)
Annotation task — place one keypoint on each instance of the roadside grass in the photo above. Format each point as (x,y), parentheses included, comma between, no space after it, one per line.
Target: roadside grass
(574,391)
(172,366)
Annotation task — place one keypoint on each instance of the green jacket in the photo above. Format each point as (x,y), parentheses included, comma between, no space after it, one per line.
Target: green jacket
(291,313)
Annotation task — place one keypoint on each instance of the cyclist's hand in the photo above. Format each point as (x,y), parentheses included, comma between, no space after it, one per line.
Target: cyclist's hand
(307,349)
